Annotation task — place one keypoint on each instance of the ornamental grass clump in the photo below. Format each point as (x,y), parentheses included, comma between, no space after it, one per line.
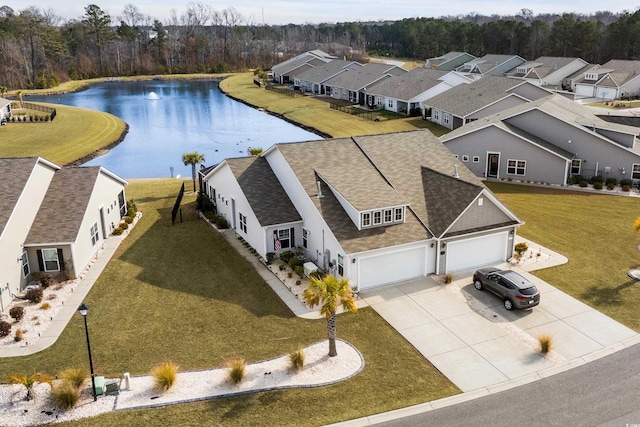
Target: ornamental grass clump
(236,370)
(65,395)
(296,358)
(74,376)
(546,342)
(164,376)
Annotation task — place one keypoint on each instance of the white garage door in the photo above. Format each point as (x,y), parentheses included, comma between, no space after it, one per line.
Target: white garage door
(584,90)
(389,268)
(606,93)
(477,251)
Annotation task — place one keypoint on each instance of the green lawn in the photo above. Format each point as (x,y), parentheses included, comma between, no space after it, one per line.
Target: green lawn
(181,293)
(74,134)
(595,231)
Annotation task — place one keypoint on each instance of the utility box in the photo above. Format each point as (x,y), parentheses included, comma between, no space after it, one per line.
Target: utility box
(309,268)
(127,381)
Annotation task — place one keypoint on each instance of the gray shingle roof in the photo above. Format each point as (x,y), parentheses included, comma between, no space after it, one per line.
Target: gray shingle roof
(621,71)
(64,206)
(15,173)
(263,191)
(323,72)
(364,76)
(408,85)
(543,66)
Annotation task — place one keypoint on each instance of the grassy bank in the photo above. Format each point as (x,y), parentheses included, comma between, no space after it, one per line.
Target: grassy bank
(595,231)
(181,293)
(313,113)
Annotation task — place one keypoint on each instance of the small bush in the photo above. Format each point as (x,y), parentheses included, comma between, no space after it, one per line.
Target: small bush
(583,184)
(46,280)
(286,256)
(299,270)
(626,188)
(220,222)
(317,274)
(296,358)
(117,231)
(65,395)
(236,370)
(19,336)
(45,306)
(52,297)
(128,219)
(295,262)
(34,318)
(521,247)
(627,181)
(164,376)
(610,186)
(17,313)
(448,278)
(281,266)
(132,209)
(5,328)
(74,376)
(34,295)
(611,180)
(270,257)
(546,342)
(124,225)
(298,282)
(597,178)
(597,185)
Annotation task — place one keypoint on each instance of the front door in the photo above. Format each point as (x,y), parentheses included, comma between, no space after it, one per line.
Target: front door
(493,163)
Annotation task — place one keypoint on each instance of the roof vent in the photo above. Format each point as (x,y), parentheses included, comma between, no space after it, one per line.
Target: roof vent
(455,172)
(319,189)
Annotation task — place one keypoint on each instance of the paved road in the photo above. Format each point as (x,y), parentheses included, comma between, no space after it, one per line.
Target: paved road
(605,392)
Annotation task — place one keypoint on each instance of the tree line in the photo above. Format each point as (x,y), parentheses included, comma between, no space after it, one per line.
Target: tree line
(39,49)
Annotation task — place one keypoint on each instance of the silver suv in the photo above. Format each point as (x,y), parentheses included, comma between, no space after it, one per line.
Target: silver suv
(514,290)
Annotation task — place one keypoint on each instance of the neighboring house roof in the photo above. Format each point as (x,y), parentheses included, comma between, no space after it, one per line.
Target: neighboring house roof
(487,63)
(408,85)
(448,61)
(15,173)
(263,191)
(463,100)
(620,72)
(364,76)
(4,103)
(542,67)
(325,71)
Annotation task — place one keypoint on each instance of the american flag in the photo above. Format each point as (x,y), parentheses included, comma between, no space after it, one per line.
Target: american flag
(277,246)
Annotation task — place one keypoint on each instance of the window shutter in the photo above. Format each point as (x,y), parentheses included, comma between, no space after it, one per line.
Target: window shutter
(60,259)
(40,260)
(293,238)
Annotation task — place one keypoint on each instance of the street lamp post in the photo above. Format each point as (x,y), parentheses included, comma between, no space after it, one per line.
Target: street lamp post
(83,309)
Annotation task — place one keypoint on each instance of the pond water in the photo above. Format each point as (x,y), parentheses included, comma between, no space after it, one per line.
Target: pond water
(169,118)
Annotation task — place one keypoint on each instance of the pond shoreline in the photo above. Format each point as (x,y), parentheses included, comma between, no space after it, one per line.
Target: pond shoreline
(101,151)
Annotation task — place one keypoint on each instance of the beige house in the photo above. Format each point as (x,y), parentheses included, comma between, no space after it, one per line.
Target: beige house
(53,219)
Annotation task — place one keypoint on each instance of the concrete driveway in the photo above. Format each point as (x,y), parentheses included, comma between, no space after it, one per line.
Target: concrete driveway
(474,341)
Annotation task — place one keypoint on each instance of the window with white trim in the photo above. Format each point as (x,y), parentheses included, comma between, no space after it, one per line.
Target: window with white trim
(94,234)
(476,159)
(516,167)
(50,260)
(390,103)
(388,215)
(436,115)
(377,217)
(635,171)
(243,222)
(446,118)
(305,238)
(575,166)
(465,158)
(591,76)
(340,265)
(398,212)
(25,264)
(285,238)
(366,219)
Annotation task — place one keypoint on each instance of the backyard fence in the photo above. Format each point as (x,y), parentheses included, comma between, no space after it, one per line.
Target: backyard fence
(176,206)
(51,111)
(281,90)
(354,111)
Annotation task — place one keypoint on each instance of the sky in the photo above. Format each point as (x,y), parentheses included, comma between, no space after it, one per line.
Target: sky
(275,12)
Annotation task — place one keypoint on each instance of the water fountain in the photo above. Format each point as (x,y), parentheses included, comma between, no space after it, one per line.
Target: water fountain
(152,96)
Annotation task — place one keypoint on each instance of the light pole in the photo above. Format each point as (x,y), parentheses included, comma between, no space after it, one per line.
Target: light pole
(83,309)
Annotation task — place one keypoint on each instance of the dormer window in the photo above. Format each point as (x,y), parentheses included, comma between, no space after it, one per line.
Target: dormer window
(366,219)
(379,217)
(388,215)
(399,215)
(591,76)
(521,70)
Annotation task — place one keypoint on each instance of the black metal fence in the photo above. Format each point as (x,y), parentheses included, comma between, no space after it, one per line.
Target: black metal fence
(281,90)
(354,111)
(37,107)
(176,206)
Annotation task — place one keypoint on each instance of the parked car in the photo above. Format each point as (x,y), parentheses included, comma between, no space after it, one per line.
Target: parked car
(3,121)
(514,290)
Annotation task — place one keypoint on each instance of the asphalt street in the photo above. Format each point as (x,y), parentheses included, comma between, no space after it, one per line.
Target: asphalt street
(605,392)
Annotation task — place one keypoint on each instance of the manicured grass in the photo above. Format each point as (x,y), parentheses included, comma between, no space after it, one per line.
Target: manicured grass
(317,114)
(181,293)
(595,231)
(72,135)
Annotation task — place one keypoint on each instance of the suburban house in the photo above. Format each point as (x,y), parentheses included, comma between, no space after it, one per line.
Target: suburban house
(405,93)
(490,65)
(353,85)
(5,108)
(466,103)
(547,141)
(373,209)
(286,71)
(313,79)
(53,219)
(449,61)
(548,70)
(613,80)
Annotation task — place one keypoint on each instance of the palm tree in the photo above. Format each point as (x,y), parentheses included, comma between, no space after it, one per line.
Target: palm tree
(256,151)
(330,293)
(30,382)
(193,159)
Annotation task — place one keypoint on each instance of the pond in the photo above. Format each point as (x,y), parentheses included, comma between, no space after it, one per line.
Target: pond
(169,118)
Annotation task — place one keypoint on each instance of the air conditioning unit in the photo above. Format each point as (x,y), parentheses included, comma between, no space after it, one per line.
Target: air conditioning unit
(309,268)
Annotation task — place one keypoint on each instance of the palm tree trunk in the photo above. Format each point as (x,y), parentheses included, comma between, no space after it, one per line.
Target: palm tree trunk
(193,176)
(332,331)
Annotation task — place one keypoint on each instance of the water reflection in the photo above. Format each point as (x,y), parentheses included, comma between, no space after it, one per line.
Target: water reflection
(183,116)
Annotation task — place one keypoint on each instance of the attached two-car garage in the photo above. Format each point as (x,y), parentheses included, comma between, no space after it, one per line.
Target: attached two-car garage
(477,251)
(389,267)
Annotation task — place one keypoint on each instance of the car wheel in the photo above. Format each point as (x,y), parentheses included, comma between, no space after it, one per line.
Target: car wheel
(508,304)
(478,285)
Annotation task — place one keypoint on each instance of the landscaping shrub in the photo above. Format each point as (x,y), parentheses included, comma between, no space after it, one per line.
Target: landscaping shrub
(295,262)
(46,280)
(583,184)
(610,186)
(521,247)
(220,222)
(164,376)
(117,231)
(128,219)
(5,328)
(298,282)
(236,370)
(611,180)
(17,313)
(45,306)
(597,178)
(296,358)
(299,270)
(19,336)
(546,342)
(281,266)
(65,395)
(124,225)
(627,181)
(448,278)
(317,274)
(34,295)
(52,297)
(286,256)
(270,257)
(597,185)
(626,188)
(74,376)
(132,209)
(203,202)
(290,274)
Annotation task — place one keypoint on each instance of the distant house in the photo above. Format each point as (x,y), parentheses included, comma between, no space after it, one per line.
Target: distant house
(548,140)
(5,108)
(490,65)
(353,85)
(392,208)
(313,79)
(286,71)
(484,97)
(613,80)
(406,93)
(53,219)
(449,61)
(548,70)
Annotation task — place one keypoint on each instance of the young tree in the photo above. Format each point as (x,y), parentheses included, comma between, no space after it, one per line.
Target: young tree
(330,293)
(193,159)
(30,382)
